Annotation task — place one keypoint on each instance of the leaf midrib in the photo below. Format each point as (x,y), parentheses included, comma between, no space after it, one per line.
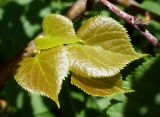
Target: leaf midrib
(97,60)
(41,69)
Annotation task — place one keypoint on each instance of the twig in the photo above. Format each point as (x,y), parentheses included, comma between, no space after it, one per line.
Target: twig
(79,7)
(134,21)
(76,9)
(132,4)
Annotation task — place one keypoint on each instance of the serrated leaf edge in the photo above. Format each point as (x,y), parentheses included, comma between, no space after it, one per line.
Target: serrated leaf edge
(122,91)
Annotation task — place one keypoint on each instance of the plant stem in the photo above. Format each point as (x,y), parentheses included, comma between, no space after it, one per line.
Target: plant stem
(134,21)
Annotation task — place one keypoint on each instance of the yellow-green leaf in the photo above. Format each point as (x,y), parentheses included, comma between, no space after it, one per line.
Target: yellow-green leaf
(88,61)
(99,87)
(46,42)
(58,30)
(107,33)
(58,26)
(44,73)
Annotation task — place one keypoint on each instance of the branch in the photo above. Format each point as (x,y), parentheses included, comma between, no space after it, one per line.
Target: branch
(134,21)
(132,4)
(76,9)
(79,7)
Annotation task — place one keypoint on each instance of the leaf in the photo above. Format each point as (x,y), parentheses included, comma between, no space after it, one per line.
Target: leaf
(47,42)
(151,6)
(101,86)
(88,61)
(117,110)
(58,30)
(145,80)
(44,73)
(107,33)
(58,26)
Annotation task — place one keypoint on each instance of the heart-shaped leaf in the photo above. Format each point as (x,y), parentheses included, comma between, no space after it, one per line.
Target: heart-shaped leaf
(58,26)
(88,61)
(44,73)
(107,33)
(58,30)
(101,86)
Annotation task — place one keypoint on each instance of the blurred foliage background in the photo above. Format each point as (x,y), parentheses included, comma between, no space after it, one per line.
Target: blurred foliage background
(20,22)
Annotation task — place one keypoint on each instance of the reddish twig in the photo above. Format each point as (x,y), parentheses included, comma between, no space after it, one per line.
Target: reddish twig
(132,4)
(134,21)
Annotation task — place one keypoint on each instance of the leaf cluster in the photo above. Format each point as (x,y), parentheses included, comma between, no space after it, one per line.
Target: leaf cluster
(94,56)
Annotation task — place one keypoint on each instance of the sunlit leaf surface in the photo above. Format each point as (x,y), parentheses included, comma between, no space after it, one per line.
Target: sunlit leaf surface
(107,33)
(20,21)
(57,25)
(88,61)
(44,73)
(101,86)
(58,30)
(95,61)
(46,42)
